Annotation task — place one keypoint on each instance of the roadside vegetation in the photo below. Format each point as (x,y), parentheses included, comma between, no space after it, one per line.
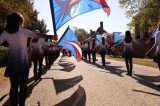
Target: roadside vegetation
(140,61)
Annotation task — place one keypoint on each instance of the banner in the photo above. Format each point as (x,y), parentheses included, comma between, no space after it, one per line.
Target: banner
(64,10)
(70,42)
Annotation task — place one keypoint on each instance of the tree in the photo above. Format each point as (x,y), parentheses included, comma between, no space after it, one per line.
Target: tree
(25,7)
(147,11)
(81,33)
(134,6)
(36,24)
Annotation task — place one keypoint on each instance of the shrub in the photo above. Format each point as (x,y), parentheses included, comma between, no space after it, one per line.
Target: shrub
(4,51)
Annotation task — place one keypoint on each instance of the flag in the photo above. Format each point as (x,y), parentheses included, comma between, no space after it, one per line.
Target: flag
(70,42)
(98,39)
(118,36)
(65,10)
(104,34)
(156,30)
(77,49)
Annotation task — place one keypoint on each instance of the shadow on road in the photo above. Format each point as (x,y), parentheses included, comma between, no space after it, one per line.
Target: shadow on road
(147,81)
(30,87)
(68,66)
(64,84)
(77,99)
(95,64)
(111,69)
(1,98)
(115,70)
(145,92)
(7,103)
(63,60)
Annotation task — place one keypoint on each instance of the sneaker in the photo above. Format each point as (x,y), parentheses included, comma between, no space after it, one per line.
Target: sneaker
(129,74)
(158,86)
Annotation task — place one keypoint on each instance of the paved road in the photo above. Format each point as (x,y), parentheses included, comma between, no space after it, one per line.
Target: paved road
(69,83)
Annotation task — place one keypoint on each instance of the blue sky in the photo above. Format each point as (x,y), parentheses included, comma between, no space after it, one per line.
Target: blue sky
(116,22)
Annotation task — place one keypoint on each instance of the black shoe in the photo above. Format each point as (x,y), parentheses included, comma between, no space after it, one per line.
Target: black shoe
(40,78)
(127,74)
(158,86)
(35,79)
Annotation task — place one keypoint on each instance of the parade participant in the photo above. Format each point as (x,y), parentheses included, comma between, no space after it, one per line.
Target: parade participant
(17,68)
(37,47)
(156,47)
(103,51)
(88,51)
(82,49)
(53,54)
(128,52)
(93,50)
(85,45)
(47,52)
(113,51)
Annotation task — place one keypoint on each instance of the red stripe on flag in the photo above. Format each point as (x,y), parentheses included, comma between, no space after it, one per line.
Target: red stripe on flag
(77,49)
(106,8)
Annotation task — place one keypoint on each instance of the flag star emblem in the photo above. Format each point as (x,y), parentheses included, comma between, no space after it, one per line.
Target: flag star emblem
(66,6)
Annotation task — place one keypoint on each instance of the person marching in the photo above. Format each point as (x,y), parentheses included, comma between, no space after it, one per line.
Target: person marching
(82,50)
(47,53)
(88,51)
(103,51)
(156,47)
(93,50)
(128,52)
(85,45)
(37,47)
(17,68)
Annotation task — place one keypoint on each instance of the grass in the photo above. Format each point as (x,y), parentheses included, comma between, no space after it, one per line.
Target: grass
(140,61)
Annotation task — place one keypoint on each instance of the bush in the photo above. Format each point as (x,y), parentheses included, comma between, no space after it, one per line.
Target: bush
(4,51)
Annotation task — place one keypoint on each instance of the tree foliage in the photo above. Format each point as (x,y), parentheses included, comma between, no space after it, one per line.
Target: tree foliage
(25,7)
(36,24)
(147,11)
(81,33)
(149,7)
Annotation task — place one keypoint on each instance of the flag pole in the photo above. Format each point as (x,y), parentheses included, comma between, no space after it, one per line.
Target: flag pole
(53,17)
(63,34)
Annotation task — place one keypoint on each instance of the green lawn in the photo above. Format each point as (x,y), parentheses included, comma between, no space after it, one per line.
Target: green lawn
(140,61)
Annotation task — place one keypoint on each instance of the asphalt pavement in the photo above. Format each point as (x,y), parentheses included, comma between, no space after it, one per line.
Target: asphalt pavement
(72,83)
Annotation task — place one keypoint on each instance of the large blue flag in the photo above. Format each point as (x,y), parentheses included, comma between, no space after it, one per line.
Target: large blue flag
(70,42)
(65,10)
(98,39)
(118,36)
(156,30)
